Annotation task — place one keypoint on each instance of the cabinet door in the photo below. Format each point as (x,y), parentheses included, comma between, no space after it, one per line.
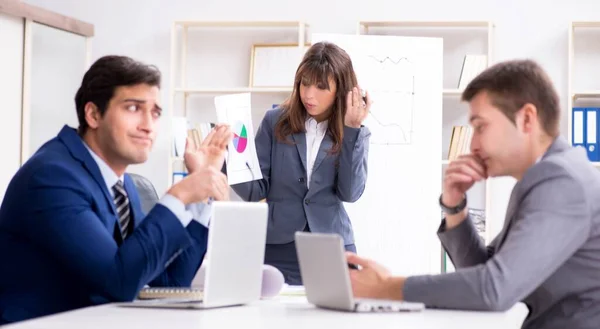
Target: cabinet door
(11,96)
(58,62)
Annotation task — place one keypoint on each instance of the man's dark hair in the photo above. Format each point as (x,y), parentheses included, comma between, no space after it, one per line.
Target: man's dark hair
(514,83)
(107,74)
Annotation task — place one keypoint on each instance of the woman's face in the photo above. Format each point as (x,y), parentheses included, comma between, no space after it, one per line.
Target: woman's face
(317,99)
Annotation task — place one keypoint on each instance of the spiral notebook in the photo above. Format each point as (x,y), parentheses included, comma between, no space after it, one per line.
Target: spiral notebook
(177,293)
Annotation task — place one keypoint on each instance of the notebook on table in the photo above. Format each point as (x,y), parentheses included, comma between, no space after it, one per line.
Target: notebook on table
(166,292)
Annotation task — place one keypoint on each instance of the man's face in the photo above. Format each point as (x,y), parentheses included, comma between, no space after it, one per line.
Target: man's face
(128,128)
(497,141)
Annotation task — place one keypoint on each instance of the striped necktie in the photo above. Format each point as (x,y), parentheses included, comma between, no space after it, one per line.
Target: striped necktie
(122,204)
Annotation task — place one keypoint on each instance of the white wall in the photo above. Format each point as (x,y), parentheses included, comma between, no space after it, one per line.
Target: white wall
(141,28)
(11,87)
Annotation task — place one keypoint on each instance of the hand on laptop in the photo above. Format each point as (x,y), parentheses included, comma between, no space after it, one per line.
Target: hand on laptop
(212,151)
(373,280)
(203,183)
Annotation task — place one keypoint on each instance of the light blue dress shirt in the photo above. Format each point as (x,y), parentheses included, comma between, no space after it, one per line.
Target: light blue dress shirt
(199,212)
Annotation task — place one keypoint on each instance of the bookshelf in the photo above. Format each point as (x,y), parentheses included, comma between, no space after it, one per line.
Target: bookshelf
(461,38)
(583,50)
(200,50)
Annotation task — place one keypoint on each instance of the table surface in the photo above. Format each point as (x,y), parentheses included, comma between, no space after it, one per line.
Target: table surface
(280,312)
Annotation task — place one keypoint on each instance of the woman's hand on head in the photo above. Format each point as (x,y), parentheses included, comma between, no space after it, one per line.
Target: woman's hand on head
(357,108)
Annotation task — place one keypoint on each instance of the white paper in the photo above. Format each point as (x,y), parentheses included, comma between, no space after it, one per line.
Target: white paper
(577,127)
(241,159)
(591,127)
(180,131)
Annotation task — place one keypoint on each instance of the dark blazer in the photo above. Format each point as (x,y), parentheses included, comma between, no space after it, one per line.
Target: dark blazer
(335,179)
(57,245)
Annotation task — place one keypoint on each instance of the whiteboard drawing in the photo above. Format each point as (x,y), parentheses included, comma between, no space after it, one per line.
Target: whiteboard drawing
(390,80)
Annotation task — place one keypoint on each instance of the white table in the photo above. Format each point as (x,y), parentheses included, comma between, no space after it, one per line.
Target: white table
(278,313)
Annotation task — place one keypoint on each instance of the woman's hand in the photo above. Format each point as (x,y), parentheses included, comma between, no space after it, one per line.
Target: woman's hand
(357,109)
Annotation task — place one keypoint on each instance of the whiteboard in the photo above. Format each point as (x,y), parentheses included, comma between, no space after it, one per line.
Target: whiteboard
(11,93)
(275,65)
(396,219)
(58,62)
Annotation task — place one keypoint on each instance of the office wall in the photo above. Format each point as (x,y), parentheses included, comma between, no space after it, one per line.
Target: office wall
(141,28)
(11,87)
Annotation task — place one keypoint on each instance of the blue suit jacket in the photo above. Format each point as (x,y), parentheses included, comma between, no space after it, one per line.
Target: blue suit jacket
(56,238)
(335,179)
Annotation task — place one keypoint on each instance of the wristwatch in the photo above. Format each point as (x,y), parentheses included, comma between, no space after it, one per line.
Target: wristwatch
(456,209)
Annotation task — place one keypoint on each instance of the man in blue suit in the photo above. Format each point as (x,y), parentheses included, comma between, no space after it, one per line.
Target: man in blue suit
(72,232)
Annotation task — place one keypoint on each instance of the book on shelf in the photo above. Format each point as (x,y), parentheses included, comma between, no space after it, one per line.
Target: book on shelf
(472,66)
(197,133)
(460,142)
(182,129)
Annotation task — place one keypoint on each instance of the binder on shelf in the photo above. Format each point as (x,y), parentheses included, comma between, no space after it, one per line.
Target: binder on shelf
(585,131)
(592,134)
(178,176)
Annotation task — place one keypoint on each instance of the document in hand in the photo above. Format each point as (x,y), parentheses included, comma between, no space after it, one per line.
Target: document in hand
(242,160)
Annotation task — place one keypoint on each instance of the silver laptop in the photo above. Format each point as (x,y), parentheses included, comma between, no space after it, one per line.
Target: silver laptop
(326,277)
(236,249)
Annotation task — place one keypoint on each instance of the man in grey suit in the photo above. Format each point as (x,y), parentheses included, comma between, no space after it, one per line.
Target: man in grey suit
(548,252)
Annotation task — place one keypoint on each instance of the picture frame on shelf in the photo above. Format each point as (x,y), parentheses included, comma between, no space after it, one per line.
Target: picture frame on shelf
(274,65)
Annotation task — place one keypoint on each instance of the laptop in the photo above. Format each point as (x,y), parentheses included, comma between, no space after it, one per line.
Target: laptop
(326,277)
(235,252)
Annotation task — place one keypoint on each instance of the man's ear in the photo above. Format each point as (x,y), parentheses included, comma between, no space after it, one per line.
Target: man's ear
(529,116)
(92,115)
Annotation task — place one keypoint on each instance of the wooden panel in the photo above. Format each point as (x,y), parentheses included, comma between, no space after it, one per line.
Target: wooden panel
(587,24)
(239,23)
(46,17)
(425,24)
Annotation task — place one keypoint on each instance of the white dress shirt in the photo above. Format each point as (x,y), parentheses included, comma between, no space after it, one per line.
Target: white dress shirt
(200,212)
(315,132)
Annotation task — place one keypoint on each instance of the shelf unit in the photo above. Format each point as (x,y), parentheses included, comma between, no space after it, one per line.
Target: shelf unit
(441,29)
(576,95)
(179,67)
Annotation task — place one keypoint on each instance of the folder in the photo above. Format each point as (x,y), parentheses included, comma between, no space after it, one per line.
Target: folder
(585,131)
(577,130)
(591,133)
(178,176)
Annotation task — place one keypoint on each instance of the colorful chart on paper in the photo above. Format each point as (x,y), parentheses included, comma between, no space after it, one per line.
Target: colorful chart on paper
(240,137)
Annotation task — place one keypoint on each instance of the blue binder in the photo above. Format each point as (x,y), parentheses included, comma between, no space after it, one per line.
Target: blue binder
(585,131)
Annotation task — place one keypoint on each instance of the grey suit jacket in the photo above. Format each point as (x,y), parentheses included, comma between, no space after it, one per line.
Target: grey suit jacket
(335,179)
(547,254)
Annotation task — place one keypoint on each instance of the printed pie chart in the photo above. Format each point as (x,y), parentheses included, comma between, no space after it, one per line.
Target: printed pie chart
(240,137)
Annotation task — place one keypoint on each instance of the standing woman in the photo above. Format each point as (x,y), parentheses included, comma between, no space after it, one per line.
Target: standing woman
(312,152)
